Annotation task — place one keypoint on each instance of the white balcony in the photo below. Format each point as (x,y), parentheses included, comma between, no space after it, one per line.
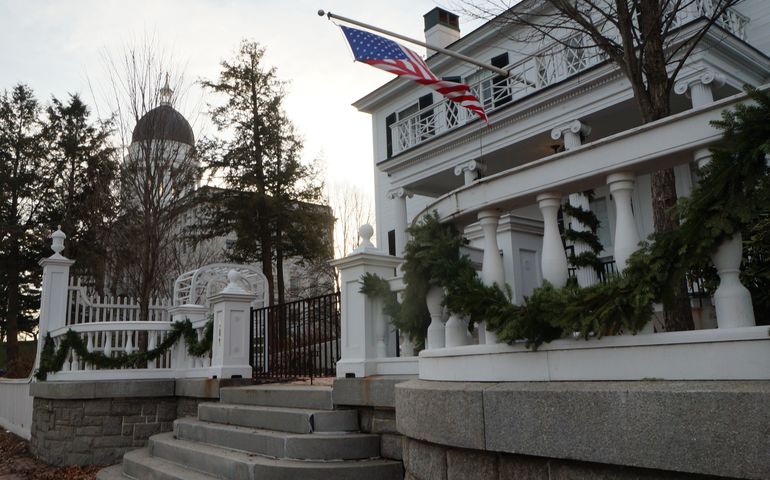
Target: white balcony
(548,66)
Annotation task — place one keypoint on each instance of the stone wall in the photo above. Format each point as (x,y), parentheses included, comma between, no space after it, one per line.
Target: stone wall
(585,430)
(97,431)
(428,461)
(95,423)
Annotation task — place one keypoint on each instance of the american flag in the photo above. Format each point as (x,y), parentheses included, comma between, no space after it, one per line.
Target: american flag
(388,55)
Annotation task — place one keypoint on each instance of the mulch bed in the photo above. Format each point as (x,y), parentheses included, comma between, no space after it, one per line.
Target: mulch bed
(18,463)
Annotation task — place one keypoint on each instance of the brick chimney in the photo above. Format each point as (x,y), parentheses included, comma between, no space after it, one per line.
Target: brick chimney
(441,28)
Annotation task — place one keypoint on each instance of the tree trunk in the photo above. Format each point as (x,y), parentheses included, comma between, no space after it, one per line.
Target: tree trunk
(663,192)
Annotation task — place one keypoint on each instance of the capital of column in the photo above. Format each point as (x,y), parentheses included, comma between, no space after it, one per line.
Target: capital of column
(621,181)
(707,76)
(471,166)
(399,193)
(575,126)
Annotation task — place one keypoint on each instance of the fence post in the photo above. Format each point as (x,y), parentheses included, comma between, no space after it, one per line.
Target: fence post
(360,314)
(53,291)
(230,348)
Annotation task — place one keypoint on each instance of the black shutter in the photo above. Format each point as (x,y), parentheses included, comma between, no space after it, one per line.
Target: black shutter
(392,243)
(389,120)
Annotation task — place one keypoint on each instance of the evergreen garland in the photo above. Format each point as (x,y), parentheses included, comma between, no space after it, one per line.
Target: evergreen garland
(52,360)
(589,258)
(734,192)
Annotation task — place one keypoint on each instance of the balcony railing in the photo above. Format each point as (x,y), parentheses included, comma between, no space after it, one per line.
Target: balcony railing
(551,65)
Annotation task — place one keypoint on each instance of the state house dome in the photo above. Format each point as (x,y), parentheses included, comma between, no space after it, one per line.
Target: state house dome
(163,123)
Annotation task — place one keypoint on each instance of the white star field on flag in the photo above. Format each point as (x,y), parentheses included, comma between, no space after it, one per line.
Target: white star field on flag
(388,55)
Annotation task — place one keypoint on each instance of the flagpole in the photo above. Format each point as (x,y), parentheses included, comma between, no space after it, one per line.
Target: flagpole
(460,56)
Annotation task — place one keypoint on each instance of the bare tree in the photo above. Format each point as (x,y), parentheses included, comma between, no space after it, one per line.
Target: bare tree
(650,44)
(158,173)
(352,208)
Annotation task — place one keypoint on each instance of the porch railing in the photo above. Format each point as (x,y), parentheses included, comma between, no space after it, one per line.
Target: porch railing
(552,64)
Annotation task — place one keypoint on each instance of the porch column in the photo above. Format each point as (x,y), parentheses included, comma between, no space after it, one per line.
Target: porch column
(626,235)
(553,259)
(573,133)
(698,86)
(398,196)
(471,171)
(732,300)
(492,265)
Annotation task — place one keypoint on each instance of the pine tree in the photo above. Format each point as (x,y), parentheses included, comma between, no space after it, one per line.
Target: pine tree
(269,190)
(25,186)
(85,172)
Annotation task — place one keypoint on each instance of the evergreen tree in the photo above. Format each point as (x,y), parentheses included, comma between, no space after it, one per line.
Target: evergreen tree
(269,189)
(25,187)
(85,172)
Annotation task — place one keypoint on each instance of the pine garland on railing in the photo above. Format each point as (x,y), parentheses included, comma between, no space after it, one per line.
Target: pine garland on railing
(734,192)
(52,360)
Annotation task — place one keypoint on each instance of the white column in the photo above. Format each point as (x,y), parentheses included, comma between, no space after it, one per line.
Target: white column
(359,313)
(572,131)
(626,235)
(398,196)
(553,259)
(698,86)
(53,291)
(471,171)
(732,300)
(492,265)
(436,337)
(230,347)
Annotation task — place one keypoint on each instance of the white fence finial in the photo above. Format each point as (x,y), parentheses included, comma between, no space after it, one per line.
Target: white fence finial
(365,232)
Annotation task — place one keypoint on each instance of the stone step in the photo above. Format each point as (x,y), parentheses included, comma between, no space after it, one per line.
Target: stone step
(235,465)
(114,472)
(292,420)
(313,446)
(298,396)
(142,465)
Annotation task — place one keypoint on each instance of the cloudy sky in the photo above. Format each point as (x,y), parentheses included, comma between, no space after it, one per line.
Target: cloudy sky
(59,47)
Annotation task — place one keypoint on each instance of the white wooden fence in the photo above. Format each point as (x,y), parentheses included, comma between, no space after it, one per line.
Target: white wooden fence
(16,406)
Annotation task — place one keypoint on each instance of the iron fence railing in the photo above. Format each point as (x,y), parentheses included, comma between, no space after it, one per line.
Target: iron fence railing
(298,339)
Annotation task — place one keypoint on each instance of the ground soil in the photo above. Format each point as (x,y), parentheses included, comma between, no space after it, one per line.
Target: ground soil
(18,463)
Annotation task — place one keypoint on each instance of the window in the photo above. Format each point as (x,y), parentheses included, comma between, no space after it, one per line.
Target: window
(451,107)
(492,91)
(389,120)
(392,243)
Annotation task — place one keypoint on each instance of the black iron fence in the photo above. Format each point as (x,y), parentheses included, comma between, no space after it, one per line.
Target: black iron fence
(296,340)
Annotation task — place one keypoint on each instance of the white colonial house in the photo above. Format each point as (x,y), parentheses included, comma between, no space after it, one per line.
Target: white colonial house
(564,122)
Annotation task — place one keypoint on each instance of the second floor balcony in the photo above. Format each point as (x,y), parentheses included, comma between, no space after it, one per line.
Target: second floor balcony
(555,63)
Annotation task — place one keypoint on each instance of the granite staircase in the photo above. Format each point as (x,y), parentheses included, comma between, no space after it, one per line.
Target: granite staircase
(262,432)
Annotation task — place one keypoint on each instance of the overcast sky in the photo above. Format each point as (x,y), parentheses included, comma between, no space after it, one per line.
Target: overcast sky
(58,47)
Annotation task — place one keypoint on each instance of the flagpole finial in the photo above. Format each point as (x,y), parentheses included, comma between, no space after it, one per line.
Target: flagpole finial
(321,13)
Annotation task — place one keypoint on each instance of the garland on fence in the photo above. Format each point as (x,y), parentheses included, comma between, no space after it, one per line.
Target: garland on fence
(734,193)
(588,258)
(52,360)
